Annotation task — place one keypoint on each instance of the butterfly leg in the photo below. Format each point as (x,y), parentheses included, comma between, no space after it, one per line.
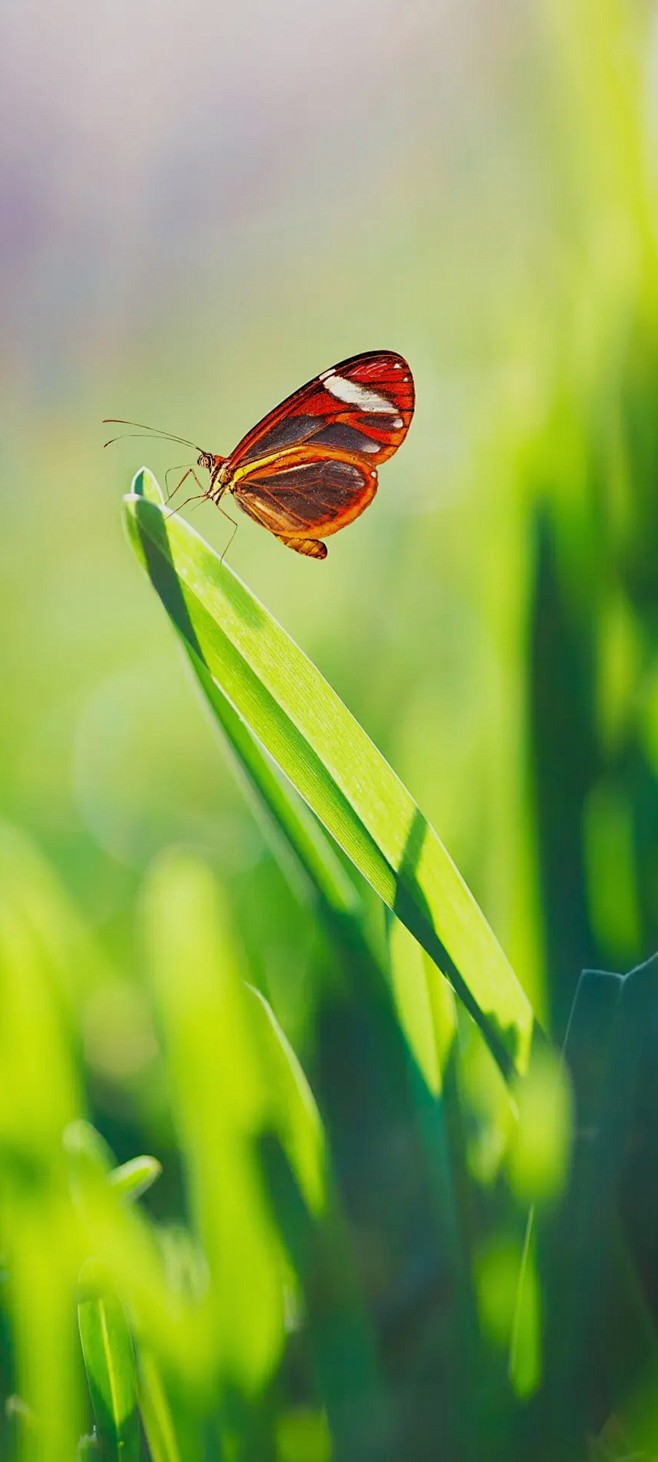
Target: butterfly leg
(196,496)
(231,520)
(190,473)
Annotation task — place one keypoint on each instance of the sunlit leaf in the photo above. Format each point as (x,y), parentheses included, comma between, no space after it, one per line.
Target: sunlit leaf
(110,1365)
(425,1005)
(334,765)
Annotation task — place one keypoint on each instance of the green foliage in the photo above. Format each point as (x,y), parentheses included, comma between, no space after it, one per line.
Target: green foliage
(109,1362)
(379,1215)
(333,764)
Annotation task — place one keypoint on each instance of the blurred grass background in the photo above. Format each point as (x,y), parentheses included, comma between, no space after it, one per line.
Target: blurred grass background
(203,207)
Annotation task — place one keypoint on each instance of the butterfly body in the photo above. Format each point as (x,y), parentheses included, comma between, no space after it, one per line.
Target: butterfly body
(310,466)
(219,480)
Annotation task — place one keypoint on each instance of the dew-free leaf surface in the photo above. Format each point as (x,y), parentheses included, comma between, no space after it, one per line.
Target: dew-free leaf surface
(326,754)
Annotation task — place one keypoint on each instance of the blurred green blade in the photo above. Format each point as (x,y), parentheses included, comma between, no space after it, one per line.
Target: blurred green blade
(39,1095)
(110,1366)
(156,1414)
(293,1105)
(221,1102)
(336,768)
(134,1178)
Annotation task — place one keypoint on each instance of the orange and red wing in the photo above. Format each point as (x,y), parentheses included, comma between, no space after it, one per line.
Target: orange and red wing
(307,500)
(361,407)
(309,467)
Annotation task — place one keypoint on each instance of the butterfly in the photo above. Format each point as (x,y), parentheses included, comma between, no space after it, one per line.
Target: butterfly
(310,466)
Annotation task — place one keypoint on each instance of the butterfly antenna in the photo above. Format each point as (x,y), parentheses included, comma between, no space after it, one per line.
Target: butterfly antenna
(144,427)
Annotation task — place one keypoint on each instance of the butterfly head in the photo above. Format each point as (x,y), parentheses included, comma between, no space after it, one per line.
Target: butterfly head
(206,459)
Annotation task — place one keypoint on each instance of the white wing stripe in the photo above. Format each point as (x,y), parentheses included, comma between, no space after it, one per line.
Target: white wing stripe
(354,395)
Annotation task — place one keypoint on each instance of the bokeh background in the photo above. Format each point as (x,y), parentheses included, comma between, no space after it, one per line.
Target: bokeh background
(205,205)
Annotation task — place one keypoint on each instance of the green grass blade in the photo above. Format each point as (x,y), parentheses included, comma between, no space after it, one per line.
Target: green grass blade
(297,838)
(221,1103)
(120,1236)
(134,1178)
(156,1413)
(571,1243)
(425,1006)
(305,854)
(294,1110)
(39,1094)
(110,1365)
(336,768)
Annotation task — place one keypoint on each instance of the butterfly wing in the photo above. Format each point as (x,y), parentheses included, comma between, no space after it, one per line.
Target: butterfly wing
(309,467)
(362,407)
(302,501)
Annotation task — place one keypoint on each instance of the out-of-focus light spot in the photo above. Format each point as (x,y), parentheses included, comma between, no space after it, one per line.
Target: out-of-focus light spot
(488,1109)
(509,1305)
(496,1282)
(118,1036)
(147,770)
(303,1436)
(610,866)
(539,1151)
